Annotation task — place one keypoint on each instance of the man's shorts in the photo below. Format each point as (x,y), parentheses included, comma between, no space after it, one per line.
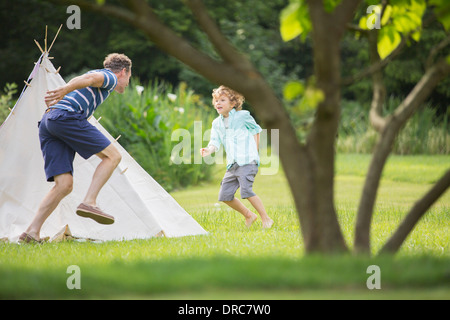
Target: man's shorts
(236,177)
(62,133)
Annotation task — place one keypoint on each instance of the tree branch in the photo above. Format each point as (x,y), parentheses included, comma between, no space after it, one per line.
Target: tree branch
(140,15)
(383,148)
(417,211)
(420,92)
(344,12)
(435,50)
(379,90)
(220,42)
(370,70)
(375,67)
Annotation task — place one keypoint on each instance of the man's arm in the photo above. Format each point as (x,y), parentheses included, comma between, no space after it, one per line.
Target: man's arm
(94,79)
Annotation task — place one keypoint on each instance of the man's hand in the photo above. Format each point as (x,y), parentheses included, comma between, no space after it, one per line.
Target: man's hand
(94,79)
(54,96)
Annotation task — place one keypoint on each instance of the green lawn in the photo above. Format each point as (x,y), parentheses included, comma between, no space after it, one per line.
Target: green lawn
(233,262)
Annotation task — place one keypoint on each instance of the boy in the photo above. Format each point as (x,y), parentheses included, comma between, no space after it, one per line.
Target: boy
(64,130)
(238,132)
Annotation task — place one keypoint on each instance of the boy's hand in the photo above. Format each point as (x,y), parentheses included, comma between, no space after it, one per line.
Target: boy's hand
(207,151)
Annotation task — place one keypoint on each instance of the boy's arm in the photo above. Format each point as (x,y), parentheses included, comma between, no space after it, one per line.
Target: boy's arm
(214,143)
(208,150)
(253,128)
(94,79)
(251,124)
(256,136)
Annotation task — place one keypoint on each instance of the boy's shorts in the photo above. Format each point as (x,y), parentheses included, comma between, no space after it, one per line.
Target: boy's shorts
(62,133)
(236,177)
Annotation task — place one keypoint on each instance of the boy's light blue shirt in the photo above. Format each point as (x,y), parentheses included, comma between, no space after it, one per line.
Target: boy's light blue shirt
(237,139)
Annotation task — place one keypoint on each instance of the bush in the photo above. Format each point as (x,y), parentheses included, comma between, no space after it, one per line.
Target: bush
(422,134)
(7,101)
(147,118)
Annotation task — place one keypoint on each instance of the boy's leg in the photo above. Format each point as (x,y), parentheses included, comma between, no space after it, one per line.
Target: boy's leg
(63,186)
(237,205)
(110,160)
(246,179)
(228,188)
(258,205)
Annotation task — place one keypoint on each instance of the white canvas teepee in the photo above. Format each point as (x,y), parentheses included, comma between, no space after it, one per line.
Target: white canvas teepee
(141,207)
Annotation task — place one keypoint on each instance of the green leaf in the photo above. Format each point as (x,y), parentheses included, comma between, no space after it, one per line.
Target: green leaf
(363,22)
(310,96)
(386,15)
(293,89)
(313,97)
(330,5)
(442,12)
(416,36)
(370,21)
(295,21)
(408,17)
(388,39)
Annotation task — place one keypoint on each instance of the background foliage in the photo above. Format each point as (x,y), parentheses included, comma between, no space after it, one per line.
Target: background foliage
(146,123)
(250,25)
(146,117)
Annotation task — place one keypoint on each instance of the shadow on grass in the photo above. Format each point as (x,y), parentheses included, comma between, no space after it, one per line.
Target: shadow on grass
(177,278)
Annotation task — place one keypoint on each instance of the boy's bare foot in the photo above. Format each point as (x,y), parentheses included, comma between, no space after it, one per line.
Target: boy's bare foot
(267,223)
(250,218)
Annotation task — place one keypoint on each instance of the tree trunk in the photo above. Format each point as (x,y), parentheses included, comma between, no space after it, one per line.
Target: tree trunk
(323,230)
(363,221)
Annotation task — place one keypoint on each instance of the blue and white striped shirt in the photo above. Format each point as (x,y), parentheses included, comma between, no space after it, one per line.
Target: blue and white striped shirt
(87,100)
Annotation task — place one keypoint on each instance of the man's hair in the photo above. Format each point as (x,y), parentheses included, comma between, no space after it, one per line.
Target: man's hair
(116,62)
(236,98)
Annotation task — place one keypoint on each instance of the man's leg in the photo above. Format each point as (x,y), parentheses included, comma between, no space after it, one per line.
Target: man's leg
(110,160)
(63,186)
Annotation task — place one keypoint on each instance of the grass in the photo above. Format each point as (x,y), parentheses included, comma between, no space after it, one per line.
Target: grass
(234,262)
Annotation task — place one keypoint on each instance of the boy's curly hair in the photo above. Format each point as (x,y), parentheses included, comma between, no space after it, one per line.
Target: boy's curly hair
(116,62)
(235,97)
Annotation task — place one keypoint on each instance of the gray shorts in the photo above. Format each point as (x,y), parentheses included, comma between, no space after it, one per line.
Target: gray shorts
(236,177)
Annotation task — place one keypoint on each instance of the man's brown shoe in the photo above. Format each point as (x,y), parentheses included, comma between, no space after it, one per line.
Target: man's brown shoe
(26,238)
(94,213)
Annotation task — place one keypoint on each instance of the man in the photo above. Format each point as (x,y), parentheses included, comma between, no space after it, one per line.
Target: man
(64,130)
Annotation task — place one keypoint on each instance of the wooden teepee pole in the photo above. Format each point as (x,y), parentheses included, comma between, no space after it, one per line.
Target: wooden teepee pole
(54,38)
(45,39)
(39,46)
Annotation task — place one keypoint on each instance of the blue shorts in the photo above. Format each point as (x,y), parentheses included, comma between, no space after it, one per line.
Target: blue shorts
(62,133)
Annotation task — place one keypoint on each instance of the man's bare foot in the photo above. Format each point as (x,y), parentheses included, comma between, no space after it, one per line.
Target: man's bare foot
(250,218)
(267,223)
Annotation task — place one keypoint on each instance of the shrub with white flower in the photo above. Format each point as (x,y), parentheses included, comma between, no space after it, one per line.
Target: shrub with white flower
(172,97)
(139,89)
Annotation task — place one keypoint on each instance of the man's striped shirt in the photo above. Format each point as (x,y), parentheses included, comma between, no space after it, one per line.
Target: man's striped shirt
(87,100)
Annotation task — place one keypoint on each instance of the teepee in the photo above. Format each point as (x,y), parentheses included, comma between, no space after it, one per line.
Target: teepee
(141,207)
